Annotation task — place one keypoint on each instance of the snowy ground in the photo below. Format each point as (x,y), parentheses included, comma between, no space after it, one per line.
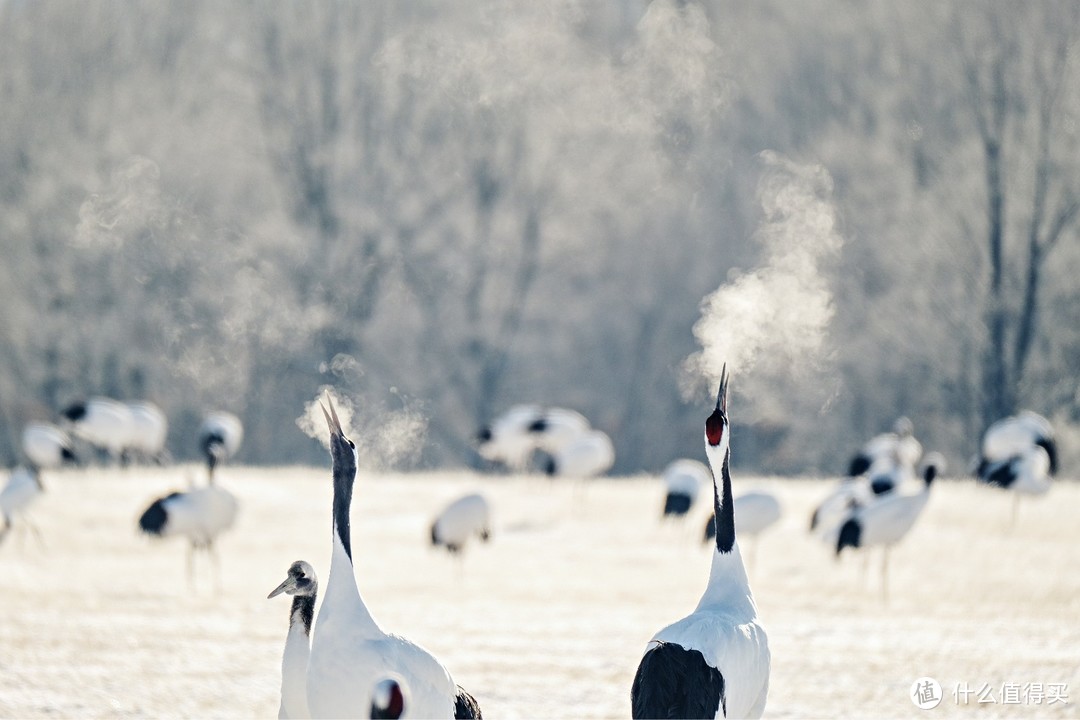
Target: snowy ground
(550,619)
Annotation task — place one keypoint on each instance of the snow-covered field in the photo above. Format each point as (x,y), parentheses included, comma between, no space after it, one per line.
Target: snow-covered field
(550,619)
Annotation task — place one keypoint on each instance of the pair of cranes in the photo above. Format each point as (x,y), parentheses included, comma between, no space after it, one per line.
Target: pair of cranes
(714,662)
(348,666)
(569,445)
(869,508)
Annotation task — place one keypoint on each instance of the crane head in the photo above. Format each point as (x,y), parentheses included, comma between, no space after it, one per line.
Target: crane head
(301,580)
(716,425)
(342,449)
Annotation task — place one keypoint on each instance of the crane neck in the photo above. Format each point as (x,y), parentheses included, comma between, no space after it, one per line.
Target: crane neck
(343,489)
(302,612)
(723,503)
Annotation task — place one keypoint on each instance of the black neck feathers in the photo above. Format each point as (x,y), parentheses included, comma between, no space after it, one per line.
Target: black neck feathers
(724,509)
(303,610)
(344,475)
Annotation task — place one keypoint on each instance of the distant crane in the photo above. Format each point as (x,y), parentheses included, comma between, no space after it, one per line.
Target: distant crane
(885,521)
(508,441)
(200,514)
(349,651)
(683,478)
(220,435)
(466,517)
(303,586)
(47,446)
(148,432)
(586,456)
(22,490)
(883,452)
(715,662)
(1019,454)
(104,423)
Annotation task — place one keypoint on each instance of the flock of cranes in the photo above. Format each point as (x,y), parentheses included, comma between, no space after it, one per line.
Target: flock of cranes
(715,662)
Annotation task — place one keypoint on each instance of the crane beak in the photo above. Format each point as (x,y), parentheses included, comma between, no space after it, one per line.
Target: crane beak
(288,584)
(332,420)
(721,395)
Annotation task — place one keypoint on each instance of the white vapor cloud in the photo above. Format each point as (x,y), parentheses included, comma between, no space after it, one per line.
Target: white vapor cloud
(775,318)
(384,438)
(129,201)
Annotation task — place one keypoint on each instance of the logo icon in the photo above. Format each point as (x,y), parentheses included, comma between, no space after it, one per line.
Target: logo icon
(925,693)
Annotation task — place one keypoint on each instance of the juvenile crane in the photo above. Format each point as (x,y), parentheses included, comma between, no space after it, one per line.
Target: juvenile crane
(714,662)
(303,586)
(349,651)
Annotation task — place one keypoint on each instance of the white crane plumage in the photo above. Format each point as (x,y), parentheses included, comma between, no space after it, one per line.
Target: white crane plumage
(349,651)
(147,433)
(507,441)
(468,516)
(220,436)
(47,446)
(302,584)
(199,514)
(23,489)
(557,428)
(1018,453)
(588,455)
(683,479)
(898,448)
(104,423)
(886,520)
(715,662)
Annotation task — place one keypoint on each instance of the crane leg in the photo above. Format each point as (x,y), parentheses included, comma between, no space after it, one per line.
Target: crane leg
(215,564)
(885,575)
(191,565)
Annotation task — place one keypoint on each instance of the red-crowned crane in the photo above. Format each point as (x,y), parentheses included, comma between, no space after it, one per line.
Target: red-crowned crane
(148,431)
(683,478)
(1018,454)
(507,441)
(350,653)
(715,662)
(104,423)
(220,435)
(23,489)
(47,446)
(200,514)
(588,455)
(467,517)
(885,521)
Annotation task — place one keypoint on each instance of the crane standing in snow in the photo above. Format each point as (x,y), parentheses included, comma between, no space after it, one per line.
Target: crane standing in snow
(715,662)
(303,586)
(1018,454)
(349,651)
(464,518)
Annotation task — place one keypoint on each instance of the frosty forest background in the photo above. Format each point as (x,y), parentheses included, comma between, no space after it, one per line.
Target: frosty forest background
(868,209)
